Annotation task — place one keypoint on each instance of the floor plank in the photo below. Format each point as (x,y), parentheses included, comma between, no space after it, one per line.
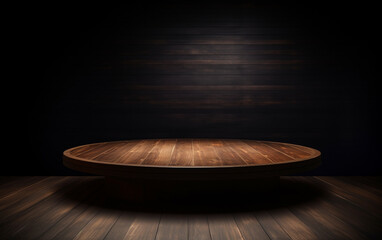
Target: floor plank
(49,211)
(359,196)
(223,226)
(363,183)
(122,225)
(17,184)
(363,222)
(198,228)
(72,230)
(271,227)
(35,199)
(144,227)
(64,222)
(31,194)
(99,226)
(326,225)
(244,220)
(173,226)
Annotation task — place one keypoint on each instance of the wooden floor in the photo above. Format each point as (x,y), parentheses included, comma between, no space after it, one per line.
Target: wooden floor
(303,208)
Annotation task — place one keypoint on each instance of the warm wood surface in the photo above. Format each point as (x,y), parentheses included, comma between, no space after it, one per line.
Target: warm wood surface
(196,154)
(77,208)
(192,152)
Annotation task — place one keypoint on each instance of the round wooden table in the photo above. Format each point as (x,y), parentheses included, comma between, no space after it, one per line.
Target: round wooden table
(138,168)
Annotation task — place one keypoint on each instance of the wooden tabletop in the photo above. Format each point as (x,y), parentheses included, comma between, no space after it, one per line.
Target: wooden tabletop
(192,152)
(127,157)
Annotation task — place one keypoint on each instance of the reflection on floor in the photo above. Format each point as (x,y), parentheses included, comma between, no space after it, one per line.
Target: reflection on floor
(303,208)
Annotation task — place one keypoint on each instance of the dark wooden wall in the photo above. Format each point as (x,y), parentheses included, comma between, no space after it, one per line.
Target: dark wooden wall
(282,72)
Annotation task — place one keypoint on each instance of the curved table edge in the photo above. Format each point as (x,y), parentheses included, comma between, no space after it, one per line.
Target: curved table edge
(191,172)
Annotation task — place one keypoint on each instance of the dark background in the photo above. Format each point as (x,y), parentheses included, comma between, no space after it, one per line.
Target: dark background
(298,73)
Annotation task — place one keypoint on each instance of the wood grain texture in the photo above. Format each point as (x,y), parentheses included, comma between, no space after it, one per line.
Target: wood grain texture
(79,209)
(145,226)
(223,227)
(270,226)
(122,225)
(245,220)
(99,226)
(178,156)
(172,226)
(198,228)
